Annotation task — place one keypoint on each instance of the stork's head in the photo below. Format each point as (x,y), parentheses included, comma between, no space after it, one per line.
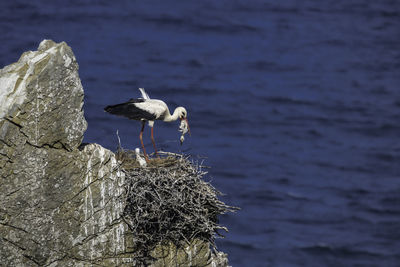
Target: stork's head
(181,112)
(183,116)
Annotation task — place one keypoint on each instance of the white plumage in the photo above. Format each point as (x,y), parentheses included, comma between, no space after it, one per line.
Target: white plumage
(142,161)
(144,94)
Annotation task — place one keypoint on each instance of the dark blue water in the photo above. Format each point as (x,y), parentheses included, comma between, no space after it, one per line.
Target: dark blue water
(295,104)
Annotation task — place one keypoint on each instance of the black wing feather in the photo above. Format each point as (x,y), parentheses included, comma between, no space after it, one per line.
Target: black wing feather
(129,110)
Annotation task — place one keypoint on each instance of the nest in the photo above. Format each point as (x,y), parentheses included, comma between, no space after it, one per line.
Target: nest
(168,201)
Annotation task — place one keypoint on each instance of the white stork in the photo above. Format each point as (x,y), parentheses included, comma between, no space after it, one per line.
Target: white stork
(146,109)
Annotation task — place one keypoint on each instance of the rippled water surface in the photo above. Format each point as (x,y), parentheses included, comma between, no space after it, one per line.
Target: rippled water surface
(295,104)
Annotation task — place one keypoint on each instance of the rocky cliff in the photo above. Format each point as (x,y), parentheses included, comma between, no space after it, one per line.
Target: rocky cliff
(61,202)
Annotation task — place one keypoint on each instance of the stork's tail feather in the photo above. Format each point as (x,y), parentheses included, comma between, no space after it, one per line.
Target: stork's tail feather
(118,109)
(144,94)
(124,110)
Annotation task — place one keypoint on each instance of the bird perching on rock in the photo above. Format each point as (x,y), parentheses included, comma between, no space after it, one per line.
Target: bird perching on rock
(146,109)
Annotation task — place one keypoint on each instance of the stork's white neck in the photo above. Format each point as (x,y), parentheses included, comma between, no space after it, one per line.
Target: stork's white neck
(168,117)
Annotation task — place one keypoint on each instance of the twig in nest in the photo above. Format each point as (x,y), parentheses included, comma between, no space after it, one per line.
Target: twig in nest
(169,202)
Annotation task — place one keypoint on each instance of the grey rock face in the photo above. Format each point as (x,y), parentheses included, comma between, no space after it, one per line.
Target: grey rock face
(43,95)
(60,204)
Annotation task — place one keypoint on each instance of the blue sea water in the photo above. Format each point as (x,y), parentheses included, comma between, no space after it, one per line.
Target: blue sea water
(293,104)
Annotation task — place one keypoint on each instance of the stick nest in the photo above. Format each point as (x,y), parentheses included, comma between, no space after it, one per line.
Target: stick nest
(169,202)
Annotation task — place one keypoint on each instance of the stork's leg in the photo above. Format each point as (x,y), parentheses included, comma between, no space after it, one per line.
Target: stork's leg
(152,140)
(141,140)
